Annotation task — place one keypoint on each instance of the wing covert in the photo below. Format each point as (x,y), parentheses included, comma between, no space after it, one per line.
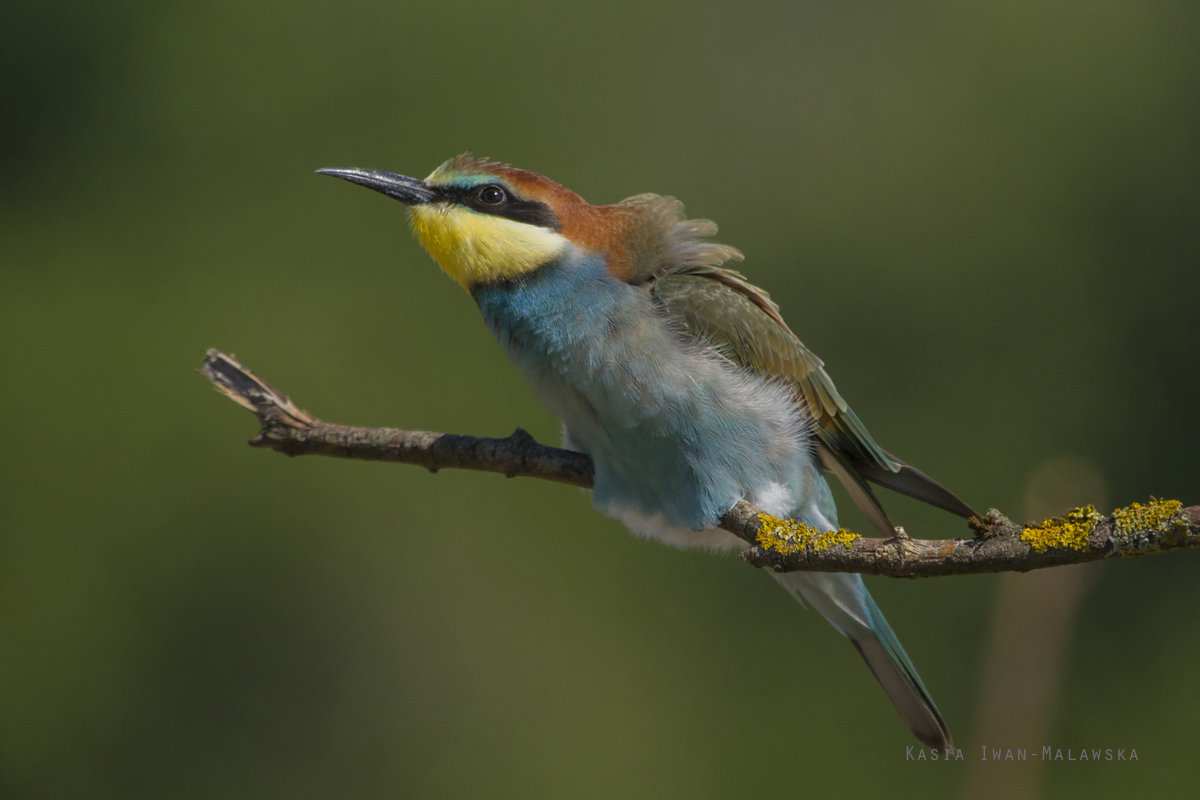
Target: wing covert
(739,319)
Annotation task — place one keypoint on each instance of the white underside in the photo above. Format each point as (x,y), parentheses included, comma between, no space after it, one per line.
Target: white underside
(773,498)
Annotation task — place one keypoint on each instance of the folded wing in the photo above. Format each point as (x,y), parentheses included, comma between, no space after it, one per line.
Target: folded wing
(721,307)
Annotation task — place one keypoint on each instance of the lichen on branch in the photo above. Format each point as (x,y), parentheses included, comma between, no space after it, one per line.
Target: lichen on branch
(1071,530)
(790,536)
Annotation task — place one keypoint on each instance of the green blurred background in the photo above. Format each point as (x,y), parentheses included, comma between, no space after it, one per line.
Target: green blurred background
(983,216)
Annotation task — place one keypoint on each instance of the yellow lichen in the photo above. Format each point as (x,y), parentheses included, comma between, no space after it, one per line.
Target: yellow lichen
(1149,528)
(828,539)
(1155,516)
(790,536)
(1068,531)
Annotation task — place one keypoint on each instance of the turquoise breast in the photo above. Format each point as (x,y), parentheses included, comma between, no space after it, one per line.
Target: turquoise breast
(674,429)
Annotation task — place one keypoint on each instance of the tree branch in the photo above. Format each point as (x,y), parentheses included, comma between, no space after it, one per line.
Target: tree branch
(999,545)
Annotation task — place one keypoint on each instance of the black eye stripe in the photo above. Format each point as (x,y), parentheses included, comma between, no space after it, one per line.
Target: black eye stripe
(530,212)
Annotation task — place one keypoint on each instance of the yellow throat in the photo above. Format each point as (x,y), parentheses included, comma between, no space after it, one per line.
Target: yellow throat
(474,248)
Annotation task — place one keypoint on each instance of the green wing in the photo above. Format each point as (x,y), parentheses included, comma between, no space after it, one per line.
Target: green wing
(740,321)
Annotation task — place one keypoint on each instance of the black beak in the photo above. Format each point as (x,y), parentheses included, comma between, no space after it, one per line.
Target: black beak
(409,191)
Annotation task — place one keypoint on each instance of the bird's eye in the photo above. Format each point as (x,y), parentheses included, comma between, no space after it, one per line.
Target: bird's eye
(492,195)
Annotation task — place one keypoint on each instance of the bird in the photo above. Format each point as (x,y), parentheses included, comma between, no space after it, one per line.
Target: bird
(675,374)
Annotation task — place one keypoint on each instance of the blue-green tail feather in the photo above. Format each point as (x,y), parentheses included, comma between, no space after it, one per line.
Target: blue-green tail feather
(844,601)
(900,680)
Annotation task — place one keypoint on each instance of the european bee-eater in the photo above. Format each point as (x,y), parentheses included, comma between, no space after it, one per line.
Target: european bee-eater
(676,375)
